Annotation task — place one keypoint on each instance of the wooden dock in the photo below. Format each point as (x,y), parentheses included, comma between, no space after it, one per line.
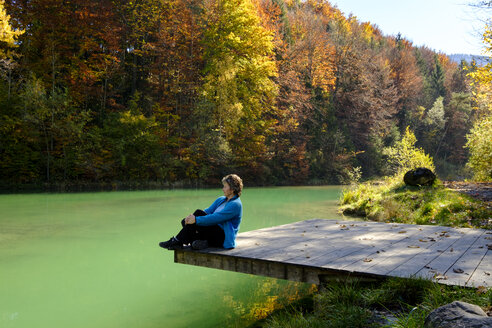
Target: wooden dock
(318,250)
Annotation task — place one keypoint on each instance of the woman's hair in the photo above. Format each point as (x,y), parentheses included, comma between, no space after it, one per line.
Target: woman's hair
(235,182)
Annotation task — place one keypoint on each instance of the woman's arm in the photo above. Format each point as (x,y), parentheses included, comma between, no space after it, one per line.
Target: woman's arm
(230,211)
(190,219)
(215,204)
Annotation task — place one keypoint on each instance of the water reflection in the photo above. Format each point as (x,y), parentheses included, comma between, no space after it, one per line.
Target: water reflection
(267,295)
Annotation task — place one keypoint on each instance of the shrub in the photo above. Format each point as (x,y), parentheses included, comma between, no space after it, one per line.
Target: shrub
(404,156)
(480,146)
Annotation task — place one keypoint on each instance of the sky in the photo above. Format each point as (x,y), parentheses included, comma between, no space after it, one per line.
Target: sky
(449,26)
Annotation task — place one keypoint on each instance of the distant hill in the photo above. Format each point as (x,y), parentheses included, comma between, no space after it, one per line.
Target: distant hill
(480,60)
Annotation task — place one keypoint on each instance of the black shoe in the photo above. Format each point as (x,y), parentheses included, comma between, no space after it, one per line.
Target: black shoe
(199,244)
(171,244)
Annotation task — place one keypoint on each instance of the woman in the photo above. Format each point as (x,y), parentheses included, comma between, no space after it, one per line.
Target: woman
(218,225)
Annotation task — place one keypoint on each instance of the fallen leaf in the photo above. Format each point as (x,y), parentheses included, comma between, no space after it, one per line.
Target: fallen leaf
(489,246)
(422,240)
(367,260)
(413,246)
(451,250)
(403,231)
(482,290)
(458,271)
(308,257)
(440,277)
(487,273)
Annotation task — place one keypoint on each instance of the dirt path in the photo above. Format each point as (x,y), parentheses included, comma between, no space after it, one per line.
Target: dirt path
(479,190)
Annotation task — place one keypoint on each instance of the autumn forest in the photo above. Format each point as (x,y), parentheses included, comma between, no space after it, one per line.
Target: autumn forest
(182,92)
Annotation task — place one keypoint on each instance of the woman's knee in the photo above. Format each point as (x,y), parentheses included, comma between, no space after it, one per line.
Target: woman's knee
(199,212)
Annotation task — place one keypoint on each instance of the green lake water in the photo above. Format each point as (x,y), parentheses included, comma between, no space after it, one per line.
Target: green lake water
(92,259)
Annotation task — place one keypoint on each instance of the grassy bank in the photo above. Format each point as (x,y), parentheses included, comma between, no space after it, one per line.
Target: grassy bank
(395,302)
(390,200)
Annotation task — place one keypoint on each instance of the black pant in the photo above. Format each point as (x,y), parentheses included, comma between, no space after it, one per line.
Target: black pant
(191,232)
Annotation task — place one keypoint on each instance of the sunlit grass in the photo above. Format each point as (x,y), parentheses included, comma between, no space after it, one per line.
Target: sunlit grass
(407,302)
(392,201)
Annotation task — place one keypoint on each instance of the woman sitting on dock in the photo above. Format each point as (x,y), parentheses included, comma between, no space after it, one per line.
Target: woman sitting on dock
(217,226)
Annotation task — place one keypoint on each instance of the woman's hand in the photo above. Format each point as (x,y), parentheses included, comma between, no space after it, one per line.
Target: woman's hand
(190,219)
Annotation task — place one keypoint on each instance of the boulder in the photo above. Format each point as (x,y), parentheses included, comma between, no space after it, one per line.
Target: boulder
(419,177)
(458,315)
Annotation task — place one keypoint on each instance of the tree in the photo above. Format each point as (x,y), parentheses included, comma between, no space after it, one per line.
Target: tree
(72,45)
(54,127)
(479,142)
(133,144)
(404,156)
(480,145)
(458,123)
(365,97)
(406,77)
(432,126)
(238,78)
(437,79)
(8,36)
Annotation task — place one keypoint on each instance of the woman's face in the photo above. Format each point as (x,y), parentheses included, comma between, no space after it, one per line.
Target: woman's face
(228,192)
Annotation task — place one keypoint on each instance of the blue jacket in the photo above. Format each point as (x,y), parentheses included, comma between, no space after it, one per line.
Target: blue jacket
(228,219)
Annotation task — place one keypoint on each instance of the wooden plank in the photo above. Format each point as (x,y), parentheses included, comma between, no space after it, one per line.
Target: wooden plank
(412,266)
(251,266)
(392,255)
(283,247)
(321,256)
(272,239)
(305,250)
(437,268)
(414,246)
(465,266)
(483,273)
(368,247)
